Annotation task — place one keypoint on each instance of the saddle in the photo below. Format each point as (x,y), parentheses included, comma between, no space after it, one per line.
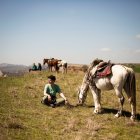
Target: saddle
(103,69)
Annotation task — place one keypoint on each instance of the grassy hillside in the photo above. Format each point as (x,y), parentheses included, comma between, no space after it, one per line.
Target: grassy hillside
(137,68)
(23,117)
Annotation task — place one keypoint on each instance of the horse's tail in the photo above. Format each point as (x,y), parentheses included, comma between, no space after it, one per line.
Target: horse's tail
(130,86)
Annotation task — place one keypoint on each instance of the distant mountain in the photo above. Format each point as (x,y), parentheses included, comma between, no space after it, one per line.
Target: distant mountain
(12,69)
(5,64)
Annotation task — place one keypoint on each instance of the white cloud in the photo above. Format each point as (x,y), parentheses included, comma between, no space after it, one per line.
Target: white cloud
(138,36)
(105,49)
(137,51)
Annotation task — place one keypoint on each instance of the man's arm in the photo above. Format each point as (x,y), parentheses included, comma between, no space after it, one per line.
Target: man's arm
(45,93)
(63,96)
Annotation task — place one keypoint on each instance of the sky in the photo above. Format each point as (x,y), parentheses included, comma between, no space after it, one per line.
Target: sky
(77,31)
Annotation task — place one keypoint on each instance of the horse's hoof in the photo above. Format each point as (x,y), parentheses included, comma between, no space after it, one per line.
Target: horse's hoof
(117,115)
(132,118)
(97,111)
(79,104)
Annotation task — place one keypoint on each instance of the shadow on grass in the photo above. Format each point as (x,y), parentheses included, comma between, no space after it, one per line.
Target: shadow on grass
(114,111)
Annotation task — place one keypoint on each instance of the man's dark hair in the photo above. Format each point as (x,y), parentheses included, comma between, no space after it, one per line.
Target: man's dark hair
(52,77)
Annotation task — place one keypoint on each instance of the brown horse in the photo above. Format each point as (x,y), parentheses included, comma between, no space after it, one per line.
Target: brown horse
(51,63)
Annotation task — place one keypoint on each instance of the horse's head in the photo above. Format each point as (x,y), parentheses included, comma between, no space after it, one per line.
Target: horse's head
(82,94)
(45,61)
(82,91)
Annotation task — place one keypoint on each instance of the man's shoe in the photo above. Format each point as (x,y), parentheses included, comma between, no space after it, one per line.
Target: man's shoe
(52,105)
(42,101)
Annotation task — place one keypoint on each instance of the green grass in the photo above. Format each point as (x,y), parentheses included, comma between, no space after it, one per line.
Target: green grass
(137,69)
(22,116)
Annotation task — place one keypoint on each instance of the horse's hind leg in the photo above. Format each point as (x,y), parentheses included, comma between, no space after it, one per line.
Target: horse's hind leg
(132,103)
(133,108)
(121,101)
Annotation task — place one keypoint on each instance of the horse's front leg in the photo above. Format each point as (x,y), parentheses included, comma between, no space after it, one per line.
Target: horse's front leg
(51,69)
(121,101)
(63,69)
(97,98)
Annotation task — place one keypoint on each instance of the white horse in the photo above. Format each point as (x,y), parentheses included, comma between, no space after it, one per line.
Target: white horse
(64,65)
(121,77)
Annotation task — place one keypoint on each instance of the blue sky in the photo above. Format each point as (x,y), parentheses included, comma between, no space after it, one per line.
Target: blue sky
(77,31)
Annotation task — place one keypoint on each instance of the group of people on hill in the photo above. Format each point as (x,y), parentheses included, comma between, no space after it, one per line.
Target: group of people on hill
(36,67)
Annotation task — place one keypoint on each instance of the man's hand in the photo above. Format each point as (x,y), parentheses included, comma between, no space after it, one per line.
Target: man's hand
(66,102)
(49,98)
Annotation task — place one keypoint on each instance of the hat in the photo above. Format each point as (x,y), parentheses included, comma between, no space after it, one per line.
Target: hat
(52,77)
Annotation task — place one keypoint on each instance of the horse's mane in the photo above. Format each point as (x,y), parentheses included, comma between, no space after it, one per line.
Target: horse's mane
(94,63)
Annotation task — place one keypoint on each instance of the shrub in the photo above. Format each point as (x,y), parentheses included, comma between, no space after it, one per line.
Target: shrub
(84,68)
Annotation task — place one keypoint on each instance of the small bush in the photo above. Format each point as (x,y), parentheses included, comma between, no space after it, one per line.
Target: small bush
(84,68)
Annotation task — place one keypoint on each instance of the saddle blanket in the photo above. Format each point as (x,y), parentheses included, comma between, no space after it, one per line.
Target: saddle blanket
(104,72)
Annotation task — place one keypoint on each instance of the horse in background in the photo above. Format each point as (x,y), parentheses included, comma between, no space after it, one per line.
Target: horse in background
(117,77)
(64,65)
(51,63)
